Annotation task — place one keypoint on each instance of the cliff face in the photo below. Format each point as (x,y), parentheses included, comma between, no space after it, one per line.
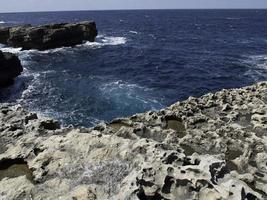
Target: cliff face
(212,147)
(48,36)
(10,68)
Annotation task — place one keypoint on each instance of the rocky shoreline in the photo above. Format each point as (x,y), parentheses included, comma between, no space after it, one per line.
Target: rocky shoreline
(41,37)
(212,147)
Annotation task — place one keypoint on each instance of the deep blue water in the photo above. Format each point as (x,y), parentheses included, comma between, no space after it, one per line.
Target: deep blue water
(142,60)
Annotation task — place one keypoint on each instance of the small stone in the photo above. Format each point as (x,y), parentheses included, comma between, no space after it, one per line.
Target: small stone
(50,124)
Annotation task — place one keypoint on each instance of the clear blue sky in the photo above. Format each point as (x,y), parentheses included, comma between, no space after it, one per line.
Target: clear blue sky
(54,5)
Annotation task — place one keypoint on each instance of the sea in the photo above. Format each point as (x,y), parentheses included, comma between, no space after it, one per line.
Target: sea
(141,60)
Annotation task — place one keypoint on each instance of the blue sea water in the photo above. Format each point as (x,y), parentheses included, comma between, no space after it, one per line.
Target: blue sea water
(141,60)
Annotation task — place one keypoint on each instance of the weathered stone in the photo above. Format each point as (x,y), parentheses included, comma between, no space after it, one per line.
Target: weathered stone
(48,36)
(141,157)
(50,124)
(10,68)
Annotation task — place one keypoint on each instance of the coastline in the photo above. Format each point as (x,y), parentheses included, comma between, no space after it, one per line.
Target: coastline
(204,148)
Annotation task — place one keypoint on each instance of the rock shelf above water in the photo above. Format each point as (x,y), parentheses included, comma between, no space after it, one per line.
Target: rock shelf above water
(212,147)
(48,36)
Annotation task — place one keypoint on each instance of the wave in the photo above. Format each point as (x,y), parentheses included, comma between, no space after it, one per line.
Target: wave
(233,18)
(257,67)
(113,40)
(120,90)
(24,55)
(8,22)
(10,49)
(259,61)
(101,41)
(133,32)
(123,85)
(153,36)
(60,49)
(106,41)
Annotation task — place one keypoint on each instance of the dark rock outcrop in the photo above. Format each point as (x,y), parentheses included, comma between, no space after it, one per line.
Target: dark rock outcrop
(48,36)
(4,35)
(10,68)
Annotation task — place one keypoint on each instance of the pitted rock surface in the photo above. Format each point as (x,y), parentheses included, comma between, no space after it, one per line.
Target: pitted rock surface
(212,147)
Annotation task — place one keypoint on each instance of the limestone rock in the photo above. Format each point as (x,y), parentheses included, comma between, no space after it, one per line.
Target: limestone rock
(212,147)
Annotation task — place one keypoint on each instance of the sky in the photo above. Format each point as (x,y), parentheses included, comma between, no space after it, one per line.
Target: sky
(58,5)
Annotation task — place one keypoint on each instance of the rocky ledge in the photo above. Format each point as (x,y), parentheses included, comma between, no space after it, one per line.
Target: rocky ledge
(212,147)
(10,68)
(48,36)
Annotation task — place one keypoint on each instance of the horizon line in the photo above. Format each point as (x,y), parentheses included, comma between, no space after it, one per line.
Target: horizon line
(137,9)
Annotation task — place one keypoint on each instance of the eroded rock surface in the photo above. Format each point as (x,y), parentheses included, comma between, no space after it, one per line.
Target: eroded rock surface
(48,36)
(213,147)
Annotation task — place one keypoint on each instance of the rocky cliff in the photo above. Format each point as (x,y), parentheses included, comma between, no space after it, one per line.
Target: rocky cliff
(212,147)
(48,36)
(10,68)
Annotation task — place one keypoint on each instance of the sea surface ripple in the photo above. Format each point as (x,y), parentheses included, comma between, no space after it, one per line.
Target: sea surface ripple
(141,60)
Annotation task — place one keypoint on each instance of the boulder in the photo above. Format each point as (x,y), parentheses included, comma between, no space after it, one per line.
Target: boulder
(10,68)
(48,36)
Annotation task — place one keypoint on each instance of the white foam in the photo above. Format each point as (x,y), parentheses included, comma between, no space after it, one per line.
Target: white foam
(106,41)
(11,50)
(114,40)
(2,22)
(31,87)
(259,61)
(257,67)
(101,41)
(122,85)
(121,89)
(22,54)
(133,32)
(60,49)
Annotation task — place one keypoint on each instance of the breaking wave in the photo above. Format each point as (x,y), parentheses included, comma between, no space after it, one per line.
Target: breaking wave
(106,41)
(101,41)
(10,49)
